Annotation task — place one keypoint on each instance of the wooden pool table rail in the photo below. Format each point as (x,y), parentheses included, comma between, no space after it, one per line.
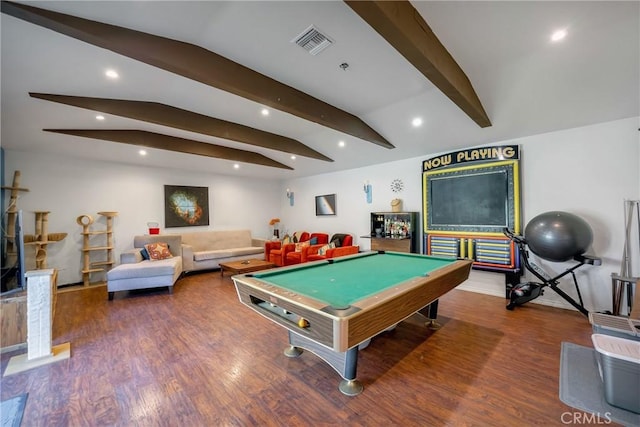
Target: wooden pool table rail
(396,304)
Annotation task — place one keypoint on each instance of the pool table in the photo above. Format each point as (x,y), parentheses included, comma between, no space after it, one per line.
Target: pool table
(330,307)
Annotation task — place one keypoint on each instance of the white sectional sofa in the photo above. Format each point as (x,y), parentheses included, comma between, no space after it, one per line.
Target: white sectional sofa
(204,250)
(134,272)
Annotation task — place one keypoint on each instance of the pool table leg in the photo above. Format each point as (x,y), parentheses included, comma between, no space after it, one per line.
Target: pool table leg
(345,363)
(431,313)
(350,385)
(292,351)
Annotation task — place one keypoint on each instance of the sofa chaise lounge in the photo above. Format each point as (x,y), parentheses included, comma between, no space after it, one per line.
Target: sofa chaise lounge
(135,272)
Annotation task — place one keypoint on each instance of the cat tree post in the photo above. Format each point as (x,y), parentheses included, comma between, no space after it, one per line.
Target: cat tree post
(12,211)
(40,310)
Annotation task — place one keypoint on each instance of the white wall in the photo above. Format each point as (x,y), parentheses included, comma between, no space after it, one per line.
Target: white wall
(70,187)
(588,171)
(352,208)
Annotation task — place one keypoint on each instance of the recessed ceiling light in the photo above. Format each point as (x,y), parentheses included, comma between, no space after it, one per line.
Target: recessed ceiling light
(99,117)
(293,157)
(236,166)
(416,122)
(341,144)
(142,152)
(112,74)
(265,112)
(558,35)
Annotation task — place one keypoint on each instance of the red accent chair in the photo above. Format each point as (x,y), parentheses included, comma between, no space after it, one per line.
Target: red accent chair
(344,242)
(294,256)
(278,251)
(271,246)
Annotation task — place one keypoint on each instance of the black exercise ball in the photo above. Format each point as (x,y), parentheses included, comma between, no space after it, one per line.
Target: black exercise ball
(558,236)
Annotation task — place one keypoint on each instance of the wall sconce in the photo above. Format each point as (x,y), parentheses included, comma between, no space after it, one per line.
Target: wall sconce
(290,197)
(368,191)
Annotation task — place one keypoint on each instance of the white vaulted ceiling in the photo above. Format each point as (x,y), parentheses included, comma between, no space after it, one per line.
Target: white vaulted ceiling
(526,84)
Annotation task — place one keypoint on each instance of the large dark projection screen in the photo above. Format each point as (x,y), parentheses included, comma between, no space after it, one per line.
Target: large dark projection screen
(477,199)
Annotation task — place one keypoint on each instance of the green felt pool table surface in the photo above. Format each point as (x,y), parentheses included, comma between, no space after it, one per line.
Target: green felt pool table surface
(347,280)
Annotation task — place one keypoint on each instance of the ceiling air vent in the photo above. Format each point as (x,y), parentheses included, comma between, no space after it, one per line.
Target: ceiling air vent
(312,40)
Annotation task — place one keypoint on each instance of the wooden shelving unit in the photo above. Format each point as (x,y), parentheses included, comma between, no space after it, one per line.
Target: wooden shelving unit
(91,251)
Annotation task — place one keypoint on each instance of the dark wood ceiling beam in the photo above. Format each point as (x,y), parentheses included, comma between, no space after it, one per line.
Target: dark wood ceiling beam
(147,139)
(167,115)
(403,27)
(202,65)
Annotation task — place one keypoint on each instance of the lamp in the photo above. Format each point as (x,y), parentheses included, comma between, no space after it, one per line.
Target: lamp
(368,191)
(290,197)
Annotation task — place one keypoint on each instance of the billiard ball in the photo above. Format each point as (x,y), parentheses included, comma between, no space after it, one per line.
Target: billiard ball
(303,323)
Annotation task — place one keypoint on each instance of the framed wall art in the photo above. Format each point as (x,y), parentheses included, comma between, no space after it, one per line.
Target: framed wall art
(326,205)
(185,206)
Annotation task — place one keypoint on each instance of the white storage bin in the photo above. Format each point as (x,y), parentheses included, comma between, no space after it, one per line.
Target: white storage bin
(619,365)
(617,326)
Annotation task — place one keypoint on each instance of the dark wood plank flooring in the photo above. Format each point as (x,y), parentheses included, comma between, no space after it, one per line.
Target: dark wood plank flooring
(200,358)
